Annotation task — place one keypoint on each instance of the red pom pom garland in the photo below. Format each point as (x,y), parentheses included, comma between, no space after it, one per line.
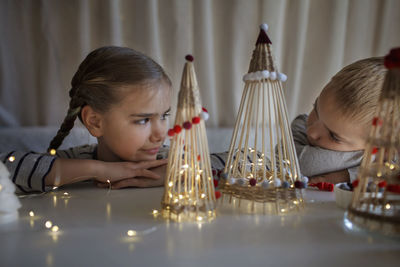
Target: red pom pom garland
(187,125)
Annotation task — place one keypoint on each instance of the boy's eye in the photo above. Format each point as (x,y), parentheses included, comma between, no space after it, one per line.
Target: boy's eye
(334,137)
(142,122)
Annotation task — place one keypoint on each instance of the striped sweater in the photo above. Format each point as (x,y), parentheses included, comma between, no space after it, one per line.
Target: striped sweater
(28,170)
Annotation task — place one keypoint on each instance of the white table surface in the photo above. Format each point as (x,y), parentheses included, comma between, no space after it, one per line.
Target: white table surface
(93,224)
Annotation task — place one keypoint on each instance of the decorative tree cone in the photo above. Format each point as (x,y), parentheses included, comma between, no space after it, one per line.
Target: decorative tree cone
(189,188)
(262,173)
(376,200)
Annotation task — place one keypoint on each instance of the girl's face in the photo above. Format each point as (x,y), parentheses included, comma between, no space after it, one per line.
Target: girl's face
(328,128)
(135,128)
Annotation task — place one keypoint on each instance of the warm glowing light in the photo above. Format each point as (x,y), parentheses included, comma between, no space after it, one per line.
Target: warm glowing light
(55,228)
(185,166)
(203,195)
(199,218)
(387,206)
(48,224)
(66,194)
(55,187)
(283,210)
(11,158)
(391,166)
(170,184)
(131,233)
(295,202)
(155,212)
(180,196)
(1,187)
(379,174)
(52,152)
(108,181)
(31,213)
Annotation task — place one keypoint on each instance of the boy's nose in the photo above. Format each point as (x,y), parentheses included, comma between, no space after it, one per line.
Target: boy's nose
(314,132)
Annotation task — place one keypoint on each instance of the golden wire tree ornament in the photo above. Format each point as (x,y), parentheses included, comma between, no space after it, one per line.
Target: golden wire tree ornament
(189,189)
(262,170)
(376,199)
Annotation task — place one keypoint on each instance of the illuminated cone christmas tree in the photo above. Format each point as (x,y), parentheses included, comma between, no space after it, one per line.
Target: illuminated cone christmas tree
(376,199)
(189,189)
(262,166)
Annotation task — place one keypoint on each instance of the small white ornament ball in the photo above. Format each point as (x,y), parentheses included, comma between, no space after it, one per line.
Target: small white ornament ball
(282,77)
(277,182)
(272,75)
(264,26)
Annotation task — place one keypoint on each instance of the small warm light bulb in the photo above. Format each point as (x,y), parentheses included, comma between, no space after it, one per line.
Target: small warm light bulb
(185,166)
(391,166)
(66,194)
(295,202)
(48,224)
(31,213)
(155,212)
(379,174)
(55,228)
(131,233)
(387,206)
(283,210)
(1,187)
(199,218)
(55,187)
(170,184)
(180,196)
(52,151)
(203,195)
(11,158)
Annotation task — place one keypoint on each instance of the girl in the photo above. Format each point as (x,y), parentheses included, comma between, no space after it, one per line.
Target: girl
(123,99)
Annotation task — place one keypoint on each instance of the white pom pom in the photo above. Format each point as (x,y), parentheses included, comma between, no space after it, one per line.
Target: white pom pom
(282,77)
(231,180)
(265,74)
(277,182)
(253,76)
(241,181)
(272,75)
(204,115)
(264,27)
(246,77)
(304,179)
(265,184)
(258,75)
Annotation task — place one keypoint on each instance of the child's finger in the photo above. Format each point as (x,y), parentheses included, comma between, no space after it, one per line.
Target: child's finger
(151,164)
(133,182)
(147,174)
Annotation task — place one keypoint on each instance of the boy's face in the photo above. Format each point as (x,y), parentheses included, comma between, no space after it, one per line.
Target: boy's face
(136,127)
(328,128)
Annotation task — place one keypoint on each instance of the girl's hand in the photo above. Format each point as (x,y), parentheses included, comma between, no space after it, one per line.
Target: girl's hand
(128,174)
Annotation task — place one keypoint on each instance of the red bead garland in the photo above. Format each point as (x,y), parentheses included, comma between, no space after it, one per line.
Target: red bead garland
(217,194)
(382,184)
(171,132)
(374,150)
(177,129)
(252,181)
(196,120)
(187,125)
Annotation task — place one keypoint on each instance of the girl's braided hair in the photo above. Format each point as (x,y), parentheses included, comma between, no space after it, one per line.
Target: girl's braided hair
(98,78)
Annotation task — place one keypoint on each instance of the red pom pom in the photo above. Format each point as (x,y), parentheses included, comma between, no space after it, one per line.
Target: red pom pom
(376,121)
(214,172)
(329,187)
(204,109)
(253,182)
(217,194)
(177,129)
(394,188)
(198,157)
(187,125)
(298,184)
(189,58)
(196,120)
(355,183)
(215,183)
(382,184)
(392,60)
(374,151)
(171,132)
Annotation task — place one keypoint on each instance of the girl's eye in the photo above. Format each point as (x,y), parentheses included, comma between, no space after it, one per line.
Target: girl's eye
(142,122)
(165,116)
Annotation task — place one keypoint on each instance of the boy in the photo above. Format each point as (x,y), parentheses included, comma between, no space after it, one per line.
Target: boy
(330,141)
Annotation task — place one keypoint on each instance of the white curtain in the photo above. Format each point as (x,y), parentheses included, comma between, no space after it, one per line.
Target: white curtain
(42,43)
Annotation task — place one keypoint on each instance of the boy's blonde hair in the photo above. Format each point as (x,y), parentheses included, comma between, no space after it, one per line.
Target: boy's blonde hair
(357,87)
